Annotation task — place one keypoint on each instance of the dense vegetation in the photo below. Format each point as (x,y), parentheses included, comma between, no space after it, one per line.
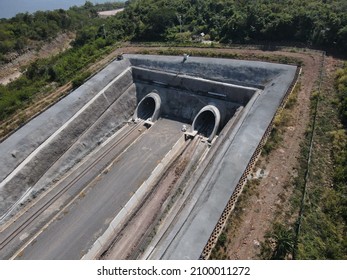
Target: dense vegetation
(19,32)
(45,74)
(312,22)
(316,23)
(340,141)
(322,233)
(319,23)
(41,75)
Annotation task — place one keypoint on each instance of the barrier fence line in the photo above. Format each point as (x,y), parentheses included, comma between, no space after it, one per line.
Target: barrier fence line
(307,171)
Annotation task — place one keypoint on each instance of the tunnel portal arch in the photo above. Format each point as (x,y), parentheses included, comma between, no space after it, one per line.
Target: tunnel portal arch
(148,107)
(207,121)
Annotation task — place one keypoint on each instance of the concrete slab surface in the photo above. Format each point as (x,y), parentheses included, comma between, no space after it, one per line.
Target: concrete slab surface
(71,235)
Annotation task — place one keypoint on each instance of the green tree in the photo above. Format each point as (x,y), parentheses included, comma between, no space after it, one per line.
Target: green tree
(278,244)
(284,242)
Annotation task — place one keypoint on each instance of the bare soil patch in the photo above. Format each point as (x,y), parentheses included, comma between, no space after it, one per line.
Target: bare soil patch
(13,69)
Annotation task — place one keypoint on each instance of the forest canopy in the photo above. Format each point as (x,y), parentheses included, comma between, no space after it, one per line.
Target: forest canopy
(312,23)
(18,32)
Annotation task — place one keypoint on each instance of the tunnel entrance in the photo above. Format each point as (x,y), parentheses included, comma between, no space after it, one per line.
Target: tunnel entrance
(207,121)
(148,107)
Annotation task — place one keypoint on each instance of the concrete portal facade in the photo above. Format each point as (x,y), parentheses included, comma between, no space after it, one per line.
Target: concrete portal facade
(209,116)
(232,99)
(148,107)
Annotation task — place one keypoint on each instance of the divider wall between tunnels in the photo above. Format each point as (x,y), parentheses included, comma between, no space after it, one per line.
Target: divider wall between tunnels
(203,87)
(185,106)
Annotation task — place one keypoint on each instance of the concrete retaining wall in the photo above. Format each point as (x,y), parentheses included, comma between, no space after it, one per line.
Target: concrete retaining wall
(24,141)
(90,125)
(203,87)
(110,121)
(183,105)
(244,73)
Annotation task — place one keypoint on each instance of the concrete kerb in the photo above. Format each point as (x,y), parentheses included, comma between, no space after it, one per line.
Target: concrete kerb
(116,224)
(119,218)
(97,247)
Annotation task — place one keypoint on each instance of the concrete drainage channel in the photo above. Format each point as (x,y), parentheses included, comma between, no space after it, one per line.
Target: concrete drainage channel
(229,103)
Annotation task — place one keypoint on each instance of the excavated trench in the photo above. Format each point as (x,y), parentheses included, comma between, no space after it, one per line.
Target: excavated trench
(228,103)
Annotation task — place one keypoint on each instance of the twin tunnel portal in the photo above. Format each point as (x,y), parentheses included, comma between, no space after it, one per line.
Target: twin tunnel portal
(205,123)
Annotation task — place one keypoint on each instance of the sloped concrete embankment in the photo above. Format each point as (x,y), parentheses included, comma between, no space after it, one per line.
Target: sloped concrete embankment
(99,117)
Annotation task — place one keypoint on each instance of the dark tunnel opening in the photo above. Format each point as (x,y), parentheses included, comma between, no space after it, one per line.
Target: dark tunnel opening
(146,108)
(205,123)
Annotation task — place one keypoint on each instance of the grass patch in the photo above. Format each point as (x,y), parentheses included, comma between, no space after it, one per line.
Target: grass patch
(278,244)
(43,75)
(281,122)
(322,231)
(80,79)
